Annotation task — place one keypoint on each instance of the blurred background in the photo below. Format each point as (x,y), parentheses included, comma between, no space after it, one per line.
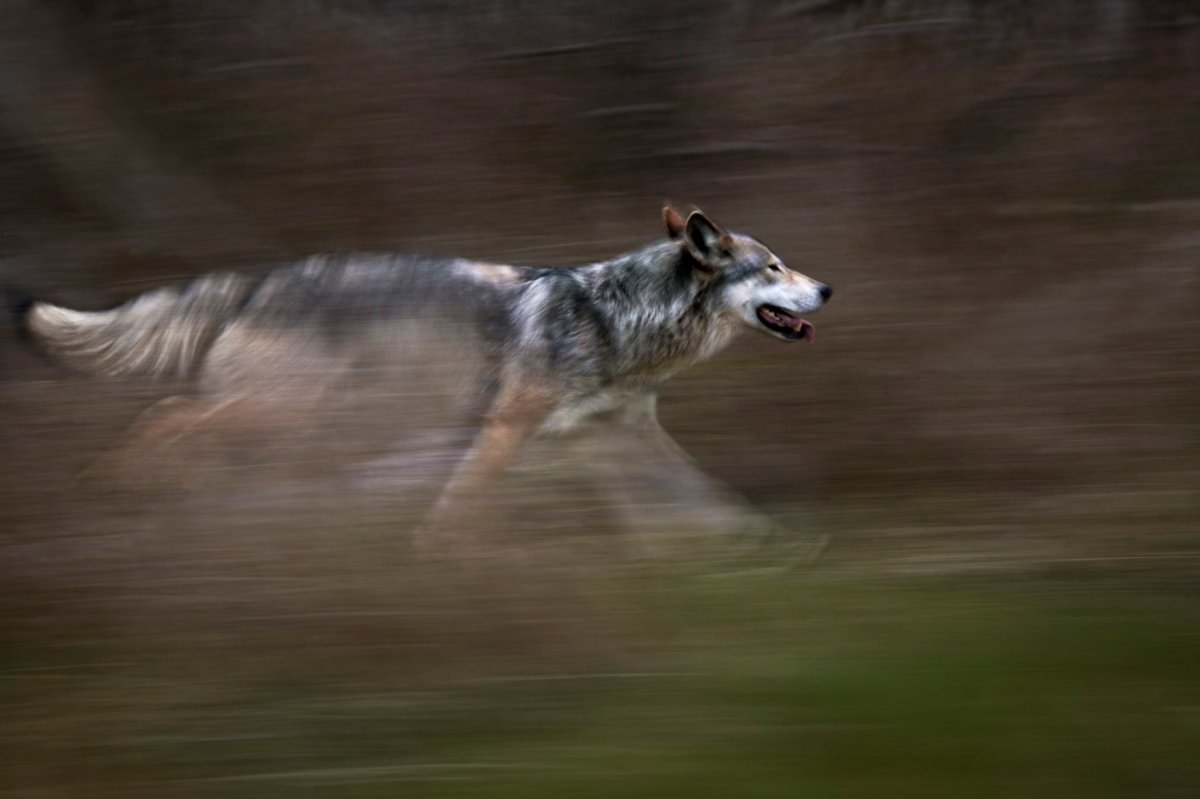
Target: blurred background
(996,428)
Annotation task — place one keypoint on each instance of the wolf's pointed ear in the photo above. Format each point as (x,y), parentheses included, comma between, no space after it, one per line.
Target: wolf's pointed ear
(673,220)
(707,242)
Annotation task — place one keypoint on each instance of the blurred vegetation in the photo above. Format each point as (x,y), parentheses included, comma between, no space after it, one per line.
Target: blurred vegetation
(997,427)
(728,685)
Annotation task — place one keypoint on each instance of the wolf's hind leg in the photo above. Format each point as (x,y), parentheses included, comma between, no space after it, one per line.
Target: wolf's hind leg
(181,441)
(146,455)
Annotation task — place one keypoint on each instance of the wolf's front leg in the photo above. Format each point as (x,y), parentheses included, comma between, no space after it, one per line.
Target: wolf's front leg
(657,488)
(516,415)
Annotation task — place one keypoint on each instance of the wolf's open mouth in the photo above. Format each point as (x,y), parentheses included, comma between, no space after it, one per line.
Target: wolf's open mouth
(785,323)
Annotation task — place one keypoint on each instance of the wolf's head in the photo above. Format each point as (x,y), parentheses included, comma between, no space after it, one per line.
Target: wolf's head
(750,282)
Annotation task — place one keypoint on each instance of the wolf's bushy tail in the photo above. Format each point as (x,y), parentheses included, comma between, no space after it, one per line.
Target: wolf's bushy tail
(162,334)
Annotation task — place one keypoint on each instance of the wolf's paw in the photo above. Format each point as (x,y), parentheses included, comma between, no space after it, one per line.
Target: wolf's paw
(707,530)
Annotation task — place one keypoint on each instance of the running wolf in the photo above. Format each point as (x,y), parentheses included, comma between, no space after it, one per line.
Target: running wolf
(558,349)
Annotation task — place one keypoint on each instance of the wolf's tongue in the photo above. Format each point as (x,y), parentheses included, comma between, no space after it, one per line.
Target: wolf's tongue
(802,327)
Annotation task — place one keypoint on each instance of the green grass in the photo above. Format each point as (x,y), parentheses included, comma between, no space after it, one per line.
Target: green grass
(716,687)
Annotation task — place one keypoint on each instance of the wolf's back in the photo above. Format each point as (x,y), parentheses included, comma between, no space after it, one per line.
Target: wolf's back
(162,334)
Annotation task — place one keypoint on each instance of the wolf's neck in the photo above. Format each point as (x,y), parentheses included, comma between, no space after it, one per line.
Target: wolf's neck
(660,317)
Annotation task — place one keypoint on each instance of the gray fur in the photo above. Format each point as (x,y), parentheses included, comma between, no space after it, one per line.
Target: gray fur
(563,344)
(163,334)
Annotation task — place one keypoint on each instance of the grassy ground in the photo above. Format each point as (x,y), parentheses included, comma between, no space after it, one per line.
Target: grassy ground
(739,685)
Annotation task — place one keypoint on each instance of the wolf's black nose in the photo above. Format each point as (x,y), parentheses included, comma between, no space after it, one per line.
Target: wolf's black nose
(825,292)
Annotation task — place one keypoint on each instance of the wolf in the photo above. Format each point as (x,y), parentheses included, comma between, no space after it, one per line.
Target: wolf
(555,349)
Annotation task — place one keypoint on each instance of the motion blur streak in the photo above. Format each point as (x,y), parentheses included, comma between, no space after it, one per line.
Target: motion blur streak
(991,446)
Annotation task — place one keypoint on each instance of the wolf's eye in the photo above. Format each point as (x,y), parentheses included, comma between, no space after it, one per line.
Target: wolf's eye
(775,267)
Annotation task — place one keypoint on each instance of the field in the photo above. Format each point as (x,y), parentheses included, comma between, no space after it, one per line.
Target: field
(991,452)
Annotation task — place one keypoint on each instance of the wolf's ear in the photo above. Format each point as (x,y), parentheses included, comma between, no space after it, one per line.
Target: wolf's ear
(673,220)
(708,243)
